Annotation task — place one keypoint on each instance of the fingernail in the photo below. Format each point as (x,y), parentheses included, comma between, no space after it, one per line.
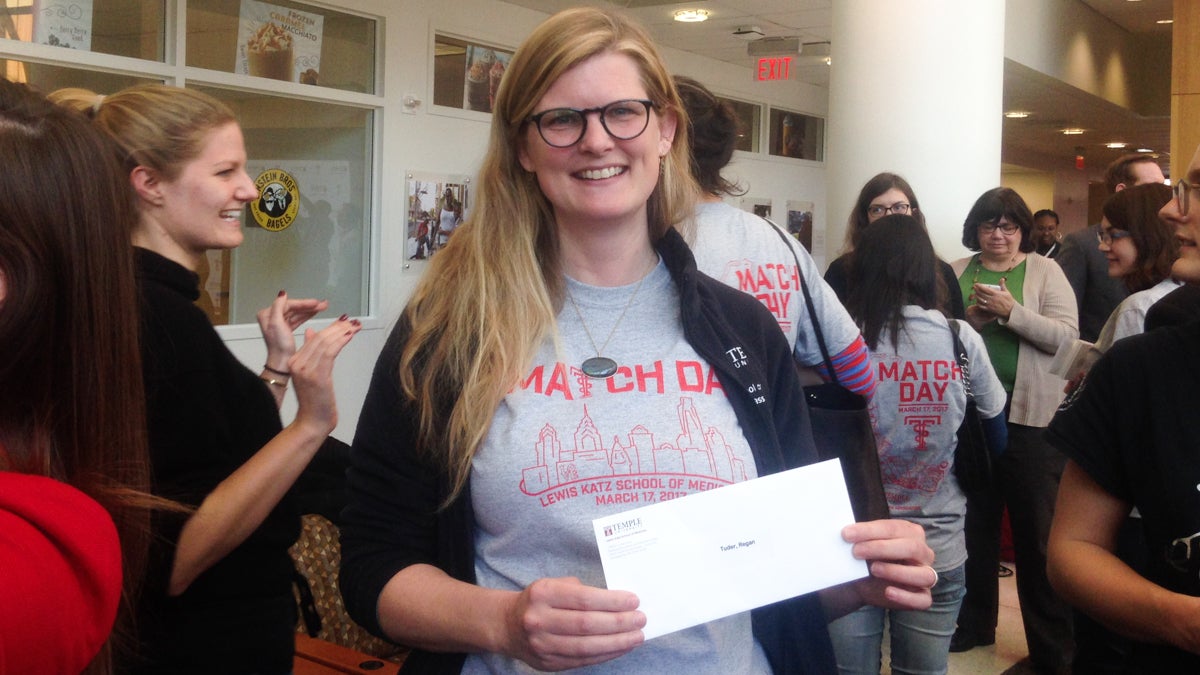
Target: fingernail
(356,322)
(281,294)
(343,317)
(349,332)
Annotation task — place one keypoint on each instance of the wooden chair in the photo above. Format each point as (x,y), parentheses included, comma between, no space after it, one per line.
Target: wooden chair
(341,645)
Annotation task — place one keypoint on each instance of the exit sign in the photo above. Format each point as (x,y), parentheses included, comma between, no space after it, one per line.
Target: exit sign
(774,68)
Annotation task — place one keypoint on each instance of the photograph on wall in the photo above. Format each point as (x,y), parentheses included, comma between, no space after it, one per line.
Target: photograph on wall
(800,222)
(758,206)
(437,205)
(485,67)
(63,23)
(279,43)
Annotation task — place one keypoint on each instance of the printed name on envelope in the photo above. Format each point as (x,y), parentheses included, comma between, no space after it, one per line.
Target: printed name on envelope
(712,554)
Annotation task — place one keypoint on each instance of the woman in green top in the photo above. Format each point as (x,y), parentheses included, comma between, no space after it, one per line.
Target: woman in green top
(1023,306)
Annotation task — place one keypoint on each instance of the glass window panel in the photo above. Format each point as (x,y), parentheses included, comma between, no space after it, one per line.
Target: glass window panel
(749,123)
(466,75)
(131,28)
(797,135)
(283,40)
(47,78)
(316,160)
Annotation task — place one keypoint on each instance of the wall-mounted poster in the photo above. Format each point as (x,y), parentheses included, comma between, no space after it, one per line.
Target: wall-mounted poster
(800,223)
(279,43)
(437,205)
(485,67)
(63,23)
(758,206)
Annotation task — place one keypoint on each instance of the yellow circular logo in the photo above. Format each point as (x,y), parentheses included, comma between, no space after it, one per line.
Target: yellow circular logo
(278,200)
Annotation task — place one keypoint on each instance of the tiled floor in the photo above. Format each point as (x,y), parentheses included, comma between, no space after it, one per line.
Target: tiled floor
(1010,640)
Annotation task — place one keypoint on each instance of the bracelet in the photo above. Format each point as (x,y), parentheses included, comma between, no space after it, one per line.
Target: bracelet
(274,382)
(277,371)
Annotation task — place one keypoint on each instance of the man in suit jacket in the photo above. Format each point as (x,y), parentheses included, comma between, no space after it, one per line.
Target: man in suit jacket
(1086,266)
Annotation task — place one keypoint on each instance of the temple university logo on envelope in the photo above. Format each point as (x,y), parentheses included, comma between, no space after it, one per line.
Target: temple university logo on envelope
(623,528)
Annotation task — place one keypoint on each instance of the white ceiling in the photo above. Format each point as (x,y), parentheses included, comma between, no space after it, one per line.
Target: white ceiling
(1035,143)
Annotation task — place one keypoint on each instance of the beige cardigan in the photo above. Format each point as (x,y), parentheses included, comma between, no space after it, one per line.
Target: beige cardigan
(1046,319)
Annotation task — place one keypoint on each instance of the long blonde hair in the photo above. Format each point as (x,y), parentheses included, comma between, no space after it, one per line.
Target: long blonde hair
(491,296)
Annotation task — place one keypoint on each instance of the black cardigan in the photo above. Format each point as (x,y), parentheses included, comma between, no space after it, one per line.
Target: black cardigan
(392,520)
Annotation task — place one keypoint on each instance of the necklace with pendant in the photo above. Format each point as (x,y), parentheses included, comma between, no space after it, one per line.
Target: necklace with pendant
(600,367)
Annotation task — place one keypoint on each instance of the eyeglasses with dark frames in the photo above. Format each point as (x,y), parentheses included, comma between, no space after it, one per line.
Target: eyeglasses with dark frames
(1107,237)
(990,226)
(879,211)
(1183,191)
(624,120)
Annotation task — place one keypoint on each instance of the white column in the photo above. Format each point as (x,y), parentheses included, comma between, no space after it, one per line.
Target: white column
(916,88)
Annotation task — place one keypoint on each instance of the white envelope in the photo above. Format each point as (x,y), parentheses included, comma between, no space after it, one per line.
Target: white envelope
(712,554)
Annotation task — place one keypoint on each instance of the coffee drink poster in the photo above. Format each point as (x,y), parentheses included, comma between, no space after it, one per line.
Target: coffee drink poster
(279,43)
(485,67)
(63,23)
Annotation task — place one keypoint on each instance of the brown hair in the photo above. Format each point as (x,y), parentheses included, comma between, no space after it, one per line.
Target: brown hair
(1120,170)
(1135,210)
(71,400)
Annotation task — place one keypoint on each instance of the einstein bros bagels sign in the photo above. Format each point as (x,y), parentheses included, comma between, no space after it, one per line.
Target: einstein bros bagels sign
(278,200)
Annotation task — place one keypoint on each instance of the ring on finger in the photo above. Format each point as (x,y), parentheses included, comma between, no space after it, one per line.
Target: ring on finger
(935,577)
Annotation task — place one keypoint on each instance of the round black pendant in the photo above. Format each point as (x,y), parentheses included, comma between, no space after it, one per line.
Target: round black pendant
(599,367)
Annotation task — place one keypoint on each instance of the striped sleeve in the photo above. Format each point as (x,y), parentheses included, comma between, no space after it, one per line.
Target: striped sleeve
(853,368)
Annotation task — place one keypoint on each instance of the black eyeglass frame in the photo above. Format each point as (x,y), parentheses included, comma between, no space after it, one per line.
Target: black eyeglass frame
(989,226)
(1181,191)
(899,208)
(601,112)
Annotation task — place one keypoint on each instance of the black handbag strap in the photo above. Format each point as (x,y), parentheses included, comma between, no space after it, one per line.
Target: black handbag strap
(812,313)
(964,364)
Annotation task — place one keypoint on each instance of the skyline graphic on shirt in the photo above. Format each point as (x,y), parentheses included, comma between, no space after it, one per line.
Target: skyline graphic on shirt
(581,462)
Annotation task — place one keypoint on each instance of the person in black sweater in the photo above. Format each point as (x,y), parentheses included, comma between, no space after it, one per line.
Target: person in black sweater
(888,193)
(218,595)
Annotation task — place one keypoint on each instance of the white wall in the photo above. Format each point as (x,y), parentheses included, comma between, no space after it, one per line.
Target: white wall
(453,143)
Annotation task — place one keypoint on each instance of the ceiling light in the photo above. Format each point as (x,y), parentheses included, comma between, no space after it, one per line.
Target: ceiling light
(1072,131)
(1115,145)
(1016,114)
(691,15)
(1146,150)
(1165,21)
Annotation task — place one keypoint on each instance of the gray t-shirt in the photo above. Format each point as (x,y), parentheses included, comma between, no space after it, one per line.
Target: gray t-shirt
(744,251)
(918,406)
(564,449)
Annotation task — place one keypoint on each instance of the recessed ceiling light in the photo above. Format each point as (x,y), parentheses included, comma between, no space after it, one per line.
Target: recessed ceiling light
(1115,145)
(1072,131)
(1016,114)
(1165,21)
(1149,150)
(691,15)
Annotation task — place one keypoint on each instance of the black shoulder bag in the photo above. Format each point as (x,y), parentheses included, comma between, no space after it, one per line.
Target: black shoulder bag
(841,424)
(972,457)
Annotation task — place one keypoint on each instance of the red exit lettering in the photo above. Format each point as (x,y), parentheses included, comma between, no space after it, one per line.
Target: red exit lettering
(774,68)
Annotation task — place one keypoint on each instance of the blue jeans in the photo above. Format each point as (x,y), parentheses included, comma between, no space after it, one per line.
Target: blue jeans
(920,640)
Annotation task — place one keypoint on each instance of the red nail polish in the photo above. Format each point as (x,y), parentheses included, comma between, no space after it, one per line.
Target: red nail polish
(281,294)
(343,317)
(356,322)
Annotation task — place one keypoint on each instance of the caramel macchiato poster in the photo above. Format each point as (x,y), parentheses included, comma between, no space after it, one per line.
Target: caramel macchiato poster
(279,43)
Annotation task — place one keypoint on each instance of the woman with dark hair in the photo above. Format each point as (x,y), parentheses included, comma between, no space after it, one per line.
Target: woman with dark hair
(1024,308)
(753,255)
(894,296)
(1140,248)
(74,471)
(887,193)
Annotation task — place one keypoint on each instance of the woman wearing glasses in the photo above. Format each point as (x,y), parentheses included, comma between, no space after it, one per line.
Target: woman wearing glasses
(535,376)
(885,194)
(1024,308)
(1140,248)
(1131,436)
